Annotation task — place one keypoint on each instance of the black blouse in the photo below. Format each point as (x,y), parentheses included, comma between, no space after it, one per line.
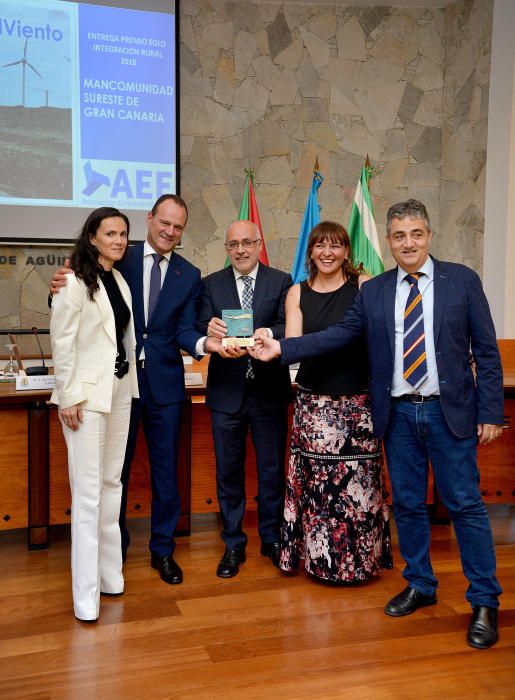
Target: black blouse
(121,311)
(342,372)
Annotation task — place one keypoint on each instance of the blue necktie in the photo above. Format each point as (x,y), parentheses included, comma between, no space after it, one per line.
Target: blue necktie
(414,345)
(155,284)
(246,303)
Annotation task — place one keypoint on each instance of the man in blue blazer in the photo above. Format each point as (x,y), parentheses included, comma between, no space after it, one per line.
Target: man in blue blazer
(165,292)
(422,321)
(164,325)
(244,393)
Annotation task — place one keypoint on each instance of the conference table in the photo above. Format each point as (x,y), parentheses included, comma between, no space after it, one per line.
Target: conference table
(34,488)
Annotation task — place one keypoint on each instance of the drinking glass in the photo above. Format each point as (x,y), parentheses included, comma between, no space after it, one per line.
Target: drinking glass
(11,368)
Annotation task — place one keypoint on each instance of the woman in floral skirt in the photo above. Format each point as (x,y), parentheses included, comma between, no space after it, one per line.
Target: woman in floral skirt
(335,515)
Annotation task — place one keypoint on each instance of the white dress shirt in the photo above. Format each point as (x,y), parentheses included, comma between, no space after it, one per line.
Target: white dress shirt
(148,262)
(240,285)
(430,386)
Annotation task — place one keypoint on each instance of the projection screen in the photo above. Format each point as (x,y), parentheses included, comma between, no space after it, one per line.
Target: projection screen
(88,113)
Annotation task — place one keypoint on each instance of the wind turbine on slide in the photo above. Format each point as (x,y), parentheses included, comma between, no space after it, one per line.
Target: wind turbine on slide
(24,64)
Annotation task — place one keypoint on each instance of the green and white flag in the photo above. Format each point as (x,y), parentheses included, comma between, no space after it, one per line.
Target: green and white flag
(362,228)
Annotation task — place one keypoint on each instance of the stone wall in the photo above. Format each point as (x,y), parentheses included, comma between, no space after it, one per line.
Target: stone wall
(273,86)
(25,273)
(468,34)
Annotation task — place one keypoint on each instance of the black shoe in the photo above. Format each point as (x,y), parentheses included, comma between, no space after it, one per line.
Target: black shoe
(168,568)
(407,602)
(228,566)
(272,551)
(484,630)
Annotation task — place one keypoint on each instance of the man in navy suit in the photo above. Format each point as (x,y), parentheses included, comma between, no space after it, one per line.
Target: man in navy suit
(244,393)
(421,321)
(165,292)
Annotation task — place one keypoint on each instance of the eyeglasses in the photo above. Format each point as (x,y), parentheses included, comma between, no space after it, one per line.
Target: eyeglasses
(246,244)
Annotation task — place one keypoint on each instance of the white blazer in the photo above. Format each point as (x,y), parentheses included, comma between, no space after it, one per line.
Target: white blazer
(83,338)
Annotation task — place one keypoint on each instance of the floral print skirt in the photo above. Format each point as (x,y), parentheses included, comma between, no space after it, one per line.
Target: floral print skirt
(335,514)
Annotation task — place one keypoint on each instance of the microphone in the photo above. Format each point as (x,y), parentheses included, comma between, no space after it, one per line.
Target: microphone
(39,369)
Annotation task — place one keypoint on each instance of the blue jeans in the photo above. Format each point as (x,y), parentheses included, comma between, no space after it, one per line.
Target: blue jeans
(418,434)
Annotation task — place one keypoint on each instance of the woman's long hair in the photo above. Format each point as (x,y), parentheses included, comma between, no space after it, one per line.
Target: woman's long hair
(84,257)
(335,233)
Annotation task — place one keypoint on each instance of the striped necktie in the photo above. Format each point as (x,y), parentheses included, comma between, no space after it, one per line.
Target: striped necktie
(246,303)
(414,346)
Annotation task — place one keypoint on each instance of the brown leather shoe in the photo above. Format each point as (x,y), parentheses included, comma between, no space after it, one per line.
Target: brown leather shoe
(168,568)
(407,602)
(483,631)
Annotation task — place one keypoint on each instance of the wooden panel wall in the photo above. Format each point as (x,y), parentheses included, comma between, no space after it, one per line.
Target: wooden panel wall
(497,462)
(60,498)
(138,499)
(203,477)
(507,350)
(13,468)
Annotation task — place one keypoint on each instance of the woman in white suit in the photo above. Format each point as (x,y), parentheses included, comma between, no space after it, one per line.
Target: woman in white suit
(93,348)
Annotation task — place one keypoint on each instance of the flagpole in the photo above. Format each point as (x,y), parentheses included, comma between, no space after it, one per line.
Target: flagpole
(249,212)
(310,220)
(366,251)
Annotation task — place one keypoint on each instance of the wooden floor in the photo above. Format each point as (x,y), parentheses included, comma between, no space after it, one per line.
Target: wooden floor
(259,635)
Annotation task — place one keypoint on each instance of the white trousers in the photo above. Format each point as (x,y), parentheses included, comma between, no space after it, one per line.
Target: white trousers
(95,458)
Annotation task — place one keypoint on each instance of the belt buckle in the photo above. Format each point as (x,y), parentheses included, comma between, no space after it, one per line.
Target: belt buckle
(418,398)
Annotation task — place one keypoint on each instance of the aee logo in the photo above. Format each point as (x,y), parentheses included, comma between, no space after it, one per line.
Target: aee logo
(142,184)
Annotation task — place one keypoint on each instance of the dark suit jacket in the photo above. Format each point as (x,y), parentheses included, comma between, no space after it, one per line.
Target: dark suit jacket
(226,377)
(462,321)
(171,326)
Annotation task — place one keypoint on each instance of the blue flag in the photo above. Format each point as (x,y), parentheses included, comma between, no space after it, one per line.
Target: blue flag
(310,220)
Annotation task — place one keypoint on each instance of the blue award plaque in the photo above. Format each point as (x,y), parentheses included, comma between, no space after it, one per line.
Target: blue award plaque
(240,327)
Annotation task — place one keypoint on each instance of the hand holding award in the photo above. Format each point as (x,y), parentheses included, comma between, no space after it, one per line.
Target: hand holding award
(240,327)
